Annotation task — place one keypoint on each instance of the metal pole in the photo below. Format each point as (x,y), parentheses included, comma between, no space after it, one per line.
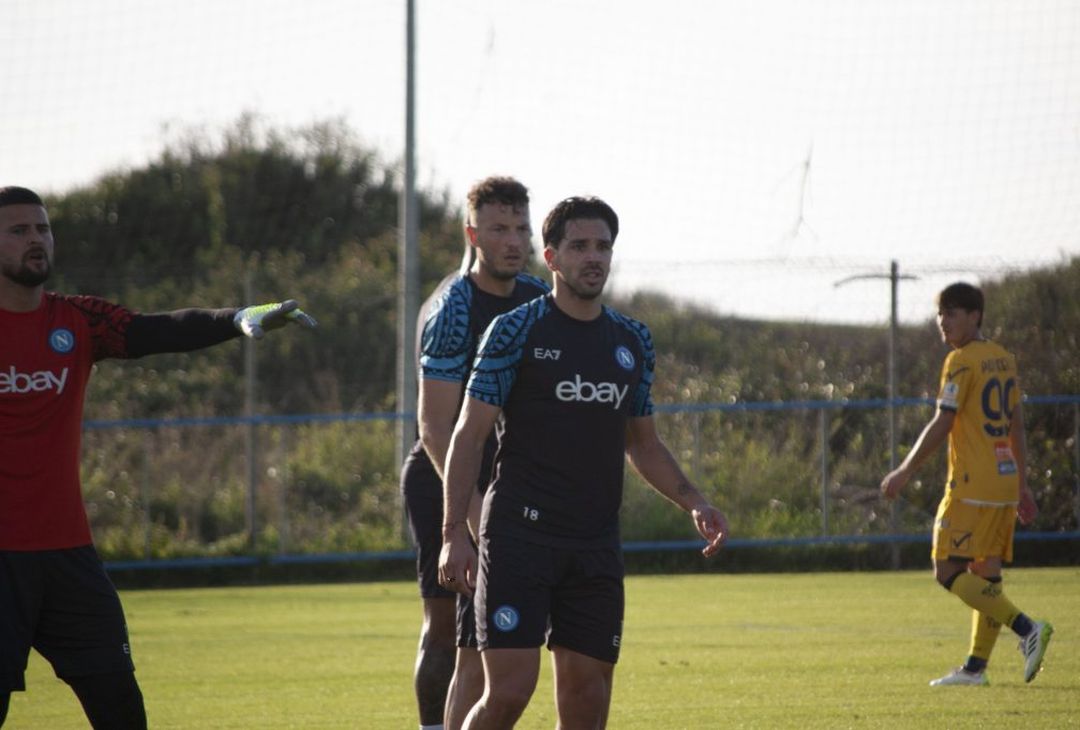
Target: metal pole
(408,269)
(1076,463)
(824,438)
(696,464)
(144,491)
(894,280)
(250,446)
(282,473)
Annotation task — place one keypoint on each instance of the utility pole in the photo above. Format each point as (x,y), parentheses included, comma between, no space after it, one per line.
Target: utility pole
(408,303)
(894,278)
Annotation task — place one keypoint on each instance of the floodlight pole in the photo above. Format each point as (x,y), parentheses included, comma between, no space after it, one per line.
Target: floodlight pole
(894,280)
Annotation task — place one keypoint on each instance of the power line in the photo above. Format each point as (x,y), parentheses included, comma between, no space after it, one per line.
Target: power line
(984,267)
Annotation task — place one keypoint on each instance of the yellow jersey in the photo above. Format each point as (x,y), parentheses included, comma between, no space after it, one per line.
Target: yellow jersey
(979,384)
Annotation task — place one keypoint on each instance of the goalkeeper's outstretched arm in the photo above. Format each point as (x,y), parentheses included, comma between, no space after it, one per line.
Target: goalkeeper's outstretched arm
(184,330)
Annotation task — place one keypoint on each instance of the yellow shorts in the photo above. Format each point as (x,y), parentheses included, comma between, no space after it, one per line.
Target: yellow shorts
(964,531)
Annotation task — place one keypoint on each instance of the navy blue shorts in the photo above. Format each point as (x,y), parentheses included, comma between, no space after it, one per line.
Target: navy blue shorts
(466,622)
(61,603)
(423,497)
(421,489)
(527,594)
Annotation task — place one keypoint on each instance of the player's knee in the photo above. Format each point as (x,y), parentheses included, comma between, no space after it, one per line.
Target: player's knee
(507,699)
(440,628)
(434,669)
(947,571)
(470,669)
(438,641)
(582,697)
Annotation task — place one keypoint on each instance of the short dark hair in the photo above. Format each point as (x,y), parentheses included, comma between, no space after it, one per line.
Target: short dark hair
(498,190)
(577,208)
(962,296)
(14,195)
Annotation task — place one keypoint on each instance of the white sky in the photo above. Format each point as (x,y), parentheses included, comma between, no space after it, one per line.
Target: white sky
(944,134)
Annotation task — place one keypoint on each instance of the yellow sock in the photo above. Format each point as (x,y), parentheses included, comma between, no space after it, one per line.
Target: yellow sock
(984,634)
(985,597)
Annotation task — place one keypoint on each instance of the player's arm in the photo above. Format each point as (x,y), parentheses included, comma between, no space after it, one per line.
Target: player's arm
(930,440)
(436,411)
(652,459)
(184,330)
(457,561)
(1027,510)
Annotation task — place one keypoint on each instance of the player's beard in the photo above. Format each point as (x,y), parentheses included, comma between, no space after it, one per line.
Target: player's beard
(587,294)
(27,276)
(500,274)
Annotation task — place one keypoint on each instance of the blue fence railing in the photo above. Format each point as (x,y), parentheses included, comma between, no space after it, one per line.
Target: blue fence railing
(283,556)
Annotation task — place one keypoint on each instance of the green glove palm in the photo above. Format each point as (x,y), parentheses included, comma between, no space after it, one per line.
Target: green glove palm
(258,320)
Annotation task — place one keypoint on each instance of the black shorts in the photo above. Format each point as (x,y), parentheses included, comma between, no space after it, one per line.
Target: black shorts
(61,603)
(466,622)
(570,597)
(423,497)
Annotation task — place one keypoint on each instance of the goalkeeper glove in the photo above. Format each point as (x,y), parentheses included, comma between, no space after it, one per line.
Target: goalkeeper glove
(256,321)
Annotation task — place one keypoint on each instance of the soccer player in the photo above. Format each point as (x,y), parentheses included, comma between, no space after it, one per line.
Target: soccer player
(55,596)
(571,378)
(979,413)
(492,281)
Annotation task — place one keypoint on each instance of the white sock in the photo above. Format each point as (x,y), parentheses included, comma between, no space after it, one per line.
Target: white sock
(432,727)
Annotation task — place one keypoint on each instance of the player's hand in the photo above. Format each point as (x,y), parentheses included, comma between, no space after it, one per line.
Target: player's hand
(457,562)
(257,321)
(893,482)
(712,525)
(1027,510)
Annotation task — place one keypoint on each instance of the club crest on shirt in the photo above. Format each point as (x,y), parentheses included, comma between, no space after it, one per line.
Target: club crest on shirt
(62,340)
(624,357)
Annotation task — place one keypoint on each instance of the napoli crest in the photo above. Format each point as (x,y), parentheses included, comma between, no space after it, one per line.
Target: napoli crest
(62,340)
(624,357)
(505,618)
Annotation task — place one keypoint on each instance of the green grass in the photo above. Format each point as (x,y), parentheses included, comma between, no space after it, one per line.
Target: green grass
(828,650)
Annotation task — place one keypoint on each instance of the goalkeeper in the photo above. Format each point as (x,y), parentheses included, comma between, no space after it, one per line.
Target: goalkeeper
(55,596)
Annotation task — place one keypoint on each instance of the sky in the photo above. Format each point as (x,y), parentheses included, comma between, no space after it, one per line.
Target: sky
(768,159)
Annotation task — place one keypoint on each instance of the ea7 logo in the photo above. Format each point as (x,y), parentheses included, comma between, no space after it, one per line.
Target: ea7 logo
(542,353)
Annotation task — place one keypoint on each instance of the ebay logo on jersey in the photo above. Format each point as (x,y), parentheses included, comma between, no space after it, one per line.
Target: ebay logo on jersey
(582,391)
(13,381)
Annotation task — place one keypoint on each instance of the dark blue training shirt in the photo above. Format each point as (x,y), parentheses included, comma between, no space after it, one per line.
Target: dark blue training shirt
(566,389)
(456,317)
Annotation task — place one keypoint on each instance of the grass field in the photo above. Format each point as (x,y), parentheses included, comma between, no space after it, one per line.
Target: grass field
(827,650)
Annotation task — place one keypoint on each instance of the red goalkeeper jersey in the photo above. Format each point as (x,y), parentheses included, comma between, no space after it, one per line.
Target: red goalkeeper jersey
(45,361)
